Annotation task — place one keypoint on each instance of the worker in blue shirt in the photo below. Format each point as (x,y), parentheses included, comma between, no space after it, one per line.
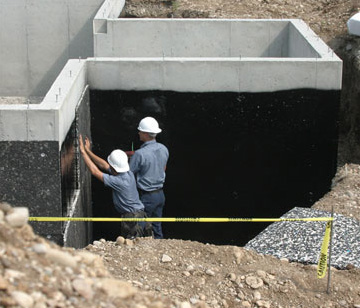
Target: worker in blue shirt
(149,164)
(116,174)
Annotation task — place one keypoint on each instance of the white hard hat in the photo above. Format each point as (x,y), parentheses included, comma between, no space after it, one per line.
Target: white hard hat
(149,125)
(119,161)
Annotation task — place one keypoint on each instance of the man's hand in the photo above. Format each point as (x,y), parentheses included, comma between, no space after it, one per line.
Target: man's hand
(81,144)
(129,153)
(87,144)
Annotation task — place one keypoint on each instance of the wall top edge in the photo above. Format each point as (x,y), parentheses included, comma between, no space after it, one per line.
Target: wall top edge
(324,58)
(184,20)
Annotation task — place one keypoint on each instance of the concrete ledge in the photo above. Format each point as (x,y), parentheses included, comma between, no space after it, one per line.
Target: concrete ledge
(214,74)
(51,119)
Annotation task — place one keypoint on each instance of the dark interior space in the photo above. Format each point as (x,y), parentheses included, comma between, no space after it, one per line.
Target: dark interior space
(231,155)
(68,165)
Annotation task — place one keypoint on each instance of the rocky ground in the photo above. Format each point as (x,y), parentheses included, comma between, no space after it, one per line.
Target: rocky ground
(181,274)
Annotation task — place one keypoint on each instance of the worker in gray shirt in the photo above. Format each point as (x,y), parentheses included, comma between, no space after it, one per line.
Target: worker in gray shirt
(149,164)
(115,173)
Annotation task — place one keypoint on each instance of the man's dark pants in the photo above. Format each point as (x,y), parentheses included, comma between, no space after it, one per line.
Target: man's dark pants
(154,203)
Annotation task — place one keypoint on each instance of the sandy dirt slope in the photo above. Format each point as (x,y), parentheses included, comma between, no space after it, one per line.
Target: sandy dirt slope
(182,274)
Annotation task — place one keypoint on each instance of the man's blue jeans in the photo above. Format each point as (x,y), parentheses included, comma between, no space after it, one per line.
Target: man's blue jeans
(154,204)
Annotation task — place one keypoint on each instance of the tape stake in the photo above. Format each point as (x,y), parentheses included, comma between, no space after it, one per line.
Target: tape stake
(322,264)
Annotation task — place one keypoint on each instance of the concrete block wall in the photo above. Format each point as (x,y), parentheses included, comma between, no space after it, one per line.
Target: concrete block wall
(37,37)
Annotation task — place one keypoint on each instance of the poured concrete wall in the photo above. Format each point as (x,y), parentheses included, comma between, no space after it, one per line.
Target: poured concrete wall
(79,234)
(214,74)
(32,165)
(192,38)
(37,37)
(51,119)
(30,176)
(155,37)
(241,58)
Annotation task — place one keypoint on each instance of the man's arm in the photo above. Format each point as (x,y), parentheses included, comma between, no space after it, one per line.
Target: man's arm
(98,161)
(89,163)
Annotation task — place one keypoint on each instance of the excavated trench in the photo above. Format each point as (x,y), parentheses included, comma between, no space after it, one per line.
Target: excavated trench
(231,155)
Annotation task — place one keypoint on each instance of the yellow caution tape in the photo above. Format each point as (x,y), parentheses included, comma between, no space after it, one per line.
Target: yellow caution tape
(322,264)
(178,219)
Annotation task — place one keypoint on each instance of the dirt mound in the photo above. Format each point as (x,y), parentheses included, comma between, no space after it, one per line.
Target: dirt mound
(156,274)
(182,274)
(224,276)
(327,18)
(37,273)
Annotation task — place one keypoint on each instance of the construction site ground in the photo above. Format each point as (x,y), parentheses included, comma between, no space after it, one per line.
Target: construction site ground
(181,274)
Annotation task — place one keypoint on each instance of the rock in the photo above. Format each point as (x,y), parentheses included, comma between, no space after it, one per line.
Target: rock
(62,258)
(238,253)
(210,272)
(245,304)
(13,274)
(261,274)
(40,248)
(116,288)
(120,240)
(3,283)
(185,305)
(165,258)
(241,295)
(224,303)
(129,242)
(7,301)
(97,243)
(343,303)
(262,303)
(88,257)
(2,216)
(83,287)
(232,277)
(23,299)
(201,304)
(18,217)
(6,208)
(254,282)
(257,295)
(350,266)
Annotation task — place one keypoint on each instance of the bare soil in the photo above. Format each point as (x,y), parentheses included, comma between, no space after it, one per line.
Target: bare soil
(175,273)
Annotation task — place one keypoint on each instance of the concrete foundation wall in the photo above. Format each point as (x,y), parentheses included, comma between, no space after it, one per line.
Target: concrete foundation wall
(214,74)
(30,176)
(37,37)
(52,118)
(126,37)
(192,38)
(79,234)
(239,56)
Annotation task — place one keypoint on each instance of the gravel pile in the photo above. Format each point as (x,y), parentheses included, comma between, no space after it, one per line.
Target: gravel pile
(300,241)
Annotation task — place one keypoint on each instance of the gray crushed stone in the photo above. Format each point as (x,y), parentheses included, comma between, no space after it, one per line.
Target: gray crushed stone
(300,241)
